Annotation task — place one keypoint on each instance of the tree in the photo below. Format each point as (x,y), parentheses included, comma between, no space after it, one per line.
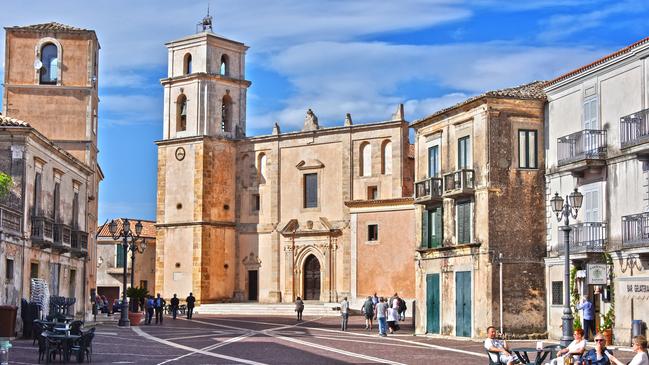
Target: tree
(6,183)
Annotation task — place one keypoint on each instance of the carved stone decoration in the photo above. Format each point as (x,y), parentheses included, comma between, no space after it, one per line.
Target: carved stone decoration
(348,120)
(180,153)
(398,114)
(310,121)
(251,261)
(276,129)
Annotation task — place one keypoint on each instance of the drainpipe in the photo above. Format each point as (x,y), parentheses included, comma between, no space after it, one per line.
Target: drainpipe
(500,286)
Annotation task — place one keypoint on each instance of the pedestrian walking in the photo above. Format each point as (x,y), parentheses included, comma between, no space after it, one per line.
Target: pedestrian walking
(402,309)
(175,303)
(344,312)
(190,305)
(381,313)
(149,304)
(588,315)
(375,299)
(299,308)
(159,305)
(368,311)
(393,318)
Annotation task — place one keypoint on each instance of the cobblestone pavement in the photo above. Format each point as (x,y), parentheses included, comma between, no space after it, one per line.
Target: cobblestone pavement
(269,340)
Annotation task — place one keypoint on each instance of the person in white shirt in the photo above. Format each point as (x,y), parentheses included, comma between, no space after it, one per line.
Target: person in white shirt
(393,317)
(344,312)
(640,348)
(576,348)
(498,349)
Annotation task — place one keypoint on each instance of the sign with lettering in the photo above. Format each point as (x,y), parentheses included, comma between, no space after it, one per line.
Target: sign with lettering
(635,287)
(597,274)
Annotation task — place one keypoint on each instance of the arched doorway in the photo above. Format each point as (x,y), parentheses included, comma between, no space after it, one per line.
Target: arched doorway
(311,278)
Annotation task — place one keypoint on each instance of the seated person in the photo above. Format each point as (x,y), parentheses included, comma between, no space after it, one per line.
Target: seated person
(640,348)
(576,347)
(598,355)
(492,344)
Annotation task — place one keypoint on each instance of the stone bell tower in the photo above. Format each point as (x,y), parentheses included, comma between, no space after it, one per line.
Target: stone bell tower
(204,115)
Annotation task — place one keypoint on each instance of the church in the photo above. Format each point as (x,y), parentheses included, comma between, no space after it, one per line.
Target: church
(320,213)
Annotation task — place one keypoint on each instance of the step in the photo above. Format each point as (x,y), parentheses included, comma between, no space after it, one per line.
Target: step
(288,309)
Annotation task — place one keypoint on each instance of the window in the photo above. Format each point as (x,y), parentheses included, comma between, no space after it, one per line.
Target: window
(256,203)
(49,73)
(72,285)
(433,161)
(463,152)
(119,255)
(372,193)
(33,270)
(557,293)
(37,194)
(75,210)
(57,202)
(372,232)
(311,190)
(463,211)
(365,163)
(224,68)
(590,114)
(591,211)
(187,64)
(432,228)
(386,158)
(181,113)
(144,284)
(261,165)
(527,147)
(226,113)
(9,269)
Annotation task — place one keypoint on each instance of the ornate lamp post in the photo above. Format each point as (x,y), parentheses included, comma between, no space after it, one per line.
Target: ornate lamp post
(125,233)
(564,210)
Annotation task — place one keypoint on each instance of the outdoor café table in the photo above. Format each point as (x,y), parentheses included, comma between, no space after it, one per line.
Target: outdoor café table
(541,354)
(66,340)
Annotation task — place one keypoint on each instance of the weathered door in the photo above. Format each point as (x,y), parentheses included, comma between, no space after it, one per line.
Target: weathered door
(463,303)
(432,303)
(253,284)
(312,278)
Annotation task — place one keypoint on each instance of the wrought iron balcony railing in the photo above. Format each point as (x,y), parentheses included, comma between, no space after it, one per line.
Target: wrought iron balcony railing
(428,190)
(79,243)
(62,237)
(634,129)
(589,144)
(460,182)
(9,220)
(584,238)
(635,230)
(42,231)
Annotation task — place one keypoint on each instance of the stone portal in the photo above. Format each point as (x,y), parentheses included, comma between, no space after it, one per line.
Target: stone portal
(311,278)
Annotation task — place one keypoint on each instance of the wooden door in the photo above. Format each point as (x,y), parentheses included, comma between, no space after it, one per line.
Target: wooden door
(432,303)
(253,284)
(463,303)
(312,278)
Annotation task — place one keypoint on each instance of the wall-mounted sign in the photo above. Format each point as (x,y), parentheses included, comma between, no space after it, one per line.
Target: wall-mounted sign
(636,287)
(180,153)
(597,274)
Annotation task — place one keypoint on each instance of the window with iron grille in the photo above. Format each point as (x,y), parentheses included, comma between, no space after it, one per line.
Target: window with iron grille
(557,293)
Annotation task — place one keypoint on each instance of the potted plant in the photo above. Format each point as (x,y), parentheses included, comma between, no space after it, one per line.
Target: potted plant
(137,295)
(606,326)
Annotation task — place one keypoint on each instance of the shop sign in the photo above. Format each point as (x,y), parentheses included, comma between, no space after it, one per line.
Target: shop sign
(597,274)
(635,287)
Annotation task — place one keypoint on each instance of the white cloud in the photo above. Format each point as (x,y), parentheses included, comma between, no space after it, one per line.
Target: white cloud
(125,109)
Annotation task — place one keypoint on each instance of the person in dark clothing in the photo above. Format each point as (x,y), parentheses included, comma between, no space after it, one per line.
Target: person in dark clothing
(149,305)
(175,302)
(190,305)
(299,308)
(159,307)
(599,354)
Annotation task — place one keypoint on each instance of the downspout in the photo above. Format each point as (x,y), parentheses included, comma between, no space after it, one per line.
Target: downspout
(24,238)
(500,287)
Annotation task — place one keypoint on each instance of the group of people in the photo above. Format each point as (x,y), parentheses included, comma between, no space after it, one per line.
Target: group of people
(500,352)
(158,303)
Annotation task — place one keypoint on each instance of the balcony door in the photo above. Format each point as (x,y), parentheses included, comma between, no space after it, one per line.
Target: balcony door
(591,122)
(433,161)
(591,211)
(463,153)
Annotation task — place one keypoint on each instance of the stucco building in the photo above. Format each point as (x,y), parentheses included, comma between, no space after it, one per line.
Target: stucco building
(479,195)
(50,81)
(598,142)
(265,218)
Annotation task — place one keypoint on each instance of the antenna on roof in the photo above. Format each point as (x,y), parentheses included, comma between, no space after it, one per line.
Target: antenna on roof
(205,24)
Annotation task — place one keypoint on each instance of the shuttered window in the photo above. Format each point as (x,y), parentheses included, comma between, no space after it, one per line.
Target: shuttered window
(432,228)
(433,161)
(527,147)
(557,293)
(119,256)
(311,190)
(463,152)
(463,211)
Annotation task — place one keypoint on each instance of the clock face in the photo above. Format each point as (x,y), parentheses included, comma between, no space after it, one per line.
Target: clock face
(180,153)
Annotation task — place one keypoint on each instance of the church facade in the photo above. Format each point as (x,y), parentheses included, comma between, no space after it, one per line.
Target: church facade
(309,213)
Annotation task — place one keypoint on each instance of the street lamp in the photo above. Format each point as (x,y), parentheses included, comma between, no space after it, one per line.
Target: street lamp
(125,233)
(564,210)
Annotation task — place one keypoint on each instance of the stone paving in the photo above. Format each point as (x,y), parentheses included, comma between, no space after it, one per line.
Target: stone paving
(210,339)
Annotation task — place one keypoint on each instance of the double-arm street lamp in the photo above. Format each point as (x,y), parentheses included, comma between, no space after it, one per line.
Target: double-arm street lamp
(564,210)
(125,234)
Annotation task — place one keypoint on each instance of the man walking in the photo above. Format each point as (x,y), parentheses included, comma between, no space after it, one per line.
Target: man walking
(589,317)
(149,309)
(159,307)
(381,313)
(368,311)
(190,305)
(344,312)
(175,302)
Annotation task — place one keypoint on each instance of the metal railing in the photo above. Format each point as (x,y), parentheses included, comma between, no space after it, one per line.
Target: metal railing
(459,180)
(634,128)
(584,238)
(42,229)
(589,144)
(635,230)
(429,188)
(62,234)
(9,220)
(80,240)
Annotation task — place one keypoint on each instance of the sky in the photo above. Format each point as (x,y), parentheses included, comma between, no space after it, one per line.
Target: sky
(362,57)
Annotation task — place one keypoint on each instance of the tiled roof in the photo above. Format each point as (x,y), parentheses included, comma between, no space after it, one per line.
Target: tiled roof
(148,228)
(598,62)
(51,26)
(12,122)
(532,90)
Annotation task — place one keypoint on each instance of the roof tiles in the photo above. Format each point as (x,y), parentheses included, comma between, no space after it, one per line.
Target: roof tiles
(6,121)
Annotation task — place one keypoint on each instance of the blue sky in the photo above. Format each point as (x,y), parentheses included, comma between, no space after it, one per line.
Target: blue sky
(346,56)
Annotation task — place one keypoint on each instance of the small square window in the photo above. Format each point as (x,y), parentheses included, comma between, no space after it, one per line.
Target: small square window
(372,232)
(372,193)
(9,273)
(557,293)
(33,271)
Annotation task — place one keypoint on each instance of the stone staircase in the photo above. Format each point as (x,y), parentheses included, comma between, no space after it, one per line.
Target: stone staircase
(284,309)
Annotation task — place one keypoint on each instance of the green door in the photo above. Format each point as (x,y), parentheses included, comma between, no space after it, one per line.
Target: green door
(463,303)
(432,303)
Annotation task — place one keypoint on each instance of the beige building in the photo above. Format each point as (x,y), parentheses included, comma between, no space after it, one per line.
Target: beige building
(269,218)
(479,171)
(110,260)
(598,142)
(50,81)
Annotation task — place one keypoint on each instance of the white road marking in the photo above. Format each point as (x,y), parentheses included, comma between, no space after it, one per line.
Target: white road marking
(141,333)
(211,347)
(212,334)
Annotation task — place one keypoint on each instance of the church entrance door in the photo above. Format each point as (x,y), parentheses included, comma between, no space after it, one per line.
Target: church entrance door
(311,278)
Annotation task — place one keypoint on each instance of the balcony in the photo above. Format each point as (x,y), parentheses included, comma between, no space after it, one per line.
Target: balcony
(588,237)
(582,150)
(42,231)
(634,131)
(428,190)
(635,230)
(79,243)
(62,238)
(459,183)
(10,221)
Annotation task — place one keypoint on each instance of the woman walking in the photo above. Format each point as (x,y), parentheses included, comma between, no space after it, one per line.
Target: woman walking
(299,308)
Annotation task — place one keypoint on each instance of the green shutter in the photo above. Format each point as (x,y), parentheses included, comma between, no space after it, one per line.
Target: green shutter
(424,229)
(464,222)
(120,256)
(437,229)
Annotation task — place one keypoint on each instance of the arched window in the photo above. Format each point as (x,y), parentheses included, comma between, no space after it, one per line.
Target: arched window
(224,68)
(181,113)
(386,158)
(226,114)
(365,163)
(187,64)
(261,166)
(50,64)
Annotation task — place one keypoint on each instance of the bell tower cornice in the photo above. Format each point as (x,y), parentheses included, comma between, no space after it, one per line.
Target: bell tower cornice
(205,76)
